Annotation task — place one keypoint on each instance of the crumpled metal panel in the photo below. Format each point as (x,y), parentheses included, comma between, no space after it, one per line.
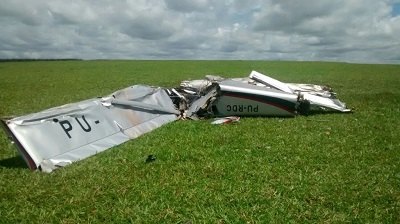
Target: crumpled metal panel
(320,98)
(202,107)
(59,136)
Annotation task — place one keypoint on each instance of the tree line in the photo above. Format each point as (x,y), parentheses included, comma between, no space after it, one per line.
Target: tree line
(42,59)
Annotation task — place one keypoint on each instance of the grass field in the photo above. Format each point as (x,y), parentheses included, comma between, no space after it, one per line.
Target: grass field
(329,168)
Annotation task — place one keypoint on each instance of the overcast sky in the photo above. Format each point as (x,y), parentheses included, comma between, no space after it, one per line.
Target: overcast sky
(329,30)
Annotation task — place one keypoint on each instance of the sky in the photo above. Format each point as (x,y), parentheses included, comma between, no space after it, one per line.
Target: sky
(361,31)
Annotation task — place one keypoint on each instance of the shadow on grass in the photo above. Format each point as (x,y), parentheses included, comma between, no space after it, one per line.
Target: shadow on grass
(13,162)
(312,113)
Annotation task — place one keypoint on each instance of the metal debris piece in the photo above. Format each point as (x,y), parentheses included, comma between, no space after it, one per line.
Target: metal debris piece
(226,120)
(151,158)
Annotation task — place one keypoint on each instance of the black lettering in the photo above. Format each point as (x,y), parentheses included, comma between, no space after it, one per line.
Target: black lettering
(235,108)
(228,107)
(255,109)
(240,108)
(67,127)
(88,128)
(249,109)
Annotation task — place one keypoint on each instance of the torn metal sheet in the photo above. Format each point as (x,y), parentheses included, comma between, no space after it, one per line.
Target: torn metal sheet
(226,120)
(319,98)
(202,107)
(62,135)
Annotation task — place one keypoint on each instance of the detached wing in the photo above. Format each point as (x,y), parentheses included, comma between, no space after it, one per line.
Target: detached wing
(62,135)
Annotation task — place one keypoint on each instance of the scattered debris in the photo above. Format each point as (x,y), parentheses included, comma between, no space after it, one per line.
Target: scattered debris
(62,135)
(151,158)
(226,120)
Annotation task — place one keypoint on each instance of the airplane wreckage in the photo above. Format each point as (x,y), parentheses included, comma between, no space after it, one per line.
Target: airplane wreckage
(62,135)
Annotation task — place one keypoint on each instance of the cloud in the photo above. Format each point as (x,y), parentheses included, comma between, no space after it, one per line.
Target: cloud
(187,5)
(333,30)
(287,15)
(343,30)
(149,27)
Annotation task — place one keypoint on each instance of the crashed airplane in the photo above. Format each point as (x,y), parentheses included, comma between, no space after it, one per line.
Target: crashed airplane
(62,135)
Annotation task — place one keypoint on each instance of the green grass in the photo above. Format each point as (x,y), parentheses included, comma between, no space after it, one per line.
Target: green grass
(330,168)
